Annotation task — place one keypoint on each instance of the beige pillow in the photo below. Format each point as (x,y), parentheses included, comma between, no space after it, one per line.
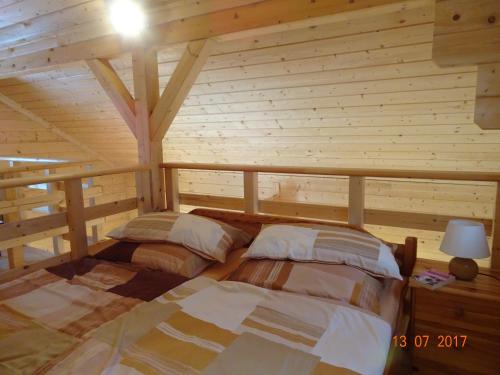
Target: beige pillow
(325,244)
(208,238)
(158,256)
(336,281)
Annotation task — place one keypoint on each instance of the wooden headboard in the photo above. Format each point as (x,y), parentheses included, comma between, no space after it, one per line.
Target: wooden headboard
(406,253)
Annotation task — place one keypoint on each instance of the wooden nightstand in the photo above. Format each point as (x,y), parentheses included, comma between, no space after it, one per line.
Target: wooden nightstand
(462,308)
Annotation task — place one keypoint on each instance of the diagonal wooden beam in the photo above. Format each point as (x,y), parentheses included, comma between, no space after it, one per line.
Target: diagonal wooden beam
(181,81)
(54,129)
(116,90)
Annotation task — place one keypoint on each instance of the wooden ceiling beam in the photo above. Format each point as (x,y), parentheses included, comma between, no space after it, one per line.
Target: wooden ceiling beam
(264,14)
(116,90)
(51,127)
(178,87)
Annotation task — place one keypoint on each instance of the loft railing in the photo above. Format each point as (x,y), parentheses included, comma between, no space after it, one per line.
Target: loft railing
(355,213)
(72,221)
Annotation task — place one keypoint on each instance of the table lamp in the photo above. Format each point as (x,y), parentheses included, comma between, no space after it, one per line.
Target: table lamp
(465,240)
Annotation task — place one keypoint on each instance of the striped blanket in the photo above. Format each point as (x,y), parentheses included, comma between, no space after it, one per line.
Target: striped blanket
(218,328)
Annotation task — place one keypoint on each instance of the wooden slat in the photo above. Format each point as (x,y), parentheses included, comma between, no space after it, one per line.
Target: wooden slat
(57,241)
(19,241)
(398,219)
(74,215)
(495,252)
(15,252)
(24,181)
(181,81)
(24,228)
(251,192)
(116,90)
(360,172)
(20,204)
(42,166)
(111,208)
(172,189)
(356,206)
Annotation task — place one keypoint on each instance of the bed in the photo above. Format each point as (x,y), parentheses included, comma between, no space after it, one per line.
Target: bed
(94,316)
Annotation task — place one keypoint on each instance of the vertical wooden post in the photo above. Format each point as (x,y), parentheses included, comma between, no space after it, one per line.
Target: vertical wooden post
(15,254)
(172,189)
(75,217)
(495,248)
(57,241)
(147,91)
(356,201)
(96,228)
(251,192)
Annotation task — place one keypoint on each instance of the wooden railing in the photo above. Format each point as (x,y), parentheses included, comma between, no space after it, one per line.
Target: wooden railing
(22,202)
(355,213)
(73,220)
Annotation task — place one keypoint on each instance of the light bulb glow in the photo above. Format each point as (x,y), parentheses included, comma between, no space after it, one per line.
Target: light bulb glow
(127,17)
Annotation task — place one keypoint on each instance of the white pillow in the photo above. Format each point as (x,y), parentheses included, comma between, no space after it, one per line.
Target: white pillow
(204,236)
(201,235)
(325,244)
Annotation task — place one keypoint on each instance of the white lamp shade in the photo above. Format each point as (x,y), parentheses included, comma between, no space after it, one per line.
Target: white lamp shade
(465,239)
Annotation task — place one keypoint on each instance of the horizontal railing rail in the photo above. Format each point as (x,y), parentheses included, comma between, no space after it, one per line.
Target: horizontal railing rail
(46,166)
(25,181)
(355,212)
(349,172)
(73,221)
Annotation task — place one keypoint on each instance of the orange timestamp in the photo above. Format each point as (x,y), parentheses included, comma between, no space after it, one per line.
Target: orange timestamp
(423,341)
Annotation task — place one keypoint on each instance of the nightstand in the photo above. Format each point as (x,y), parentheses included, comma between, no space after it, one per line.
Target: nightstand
(461,322)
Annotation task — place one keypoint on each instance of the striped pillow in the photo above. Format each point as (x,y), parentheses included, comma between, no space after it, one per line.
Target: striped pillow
(335,281)
(325,244)
(206,237)
(158,256)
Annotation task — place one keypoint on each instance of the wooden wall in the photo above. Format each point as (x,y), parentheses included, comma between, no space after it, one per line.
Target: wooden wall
(357,93)
(21,137)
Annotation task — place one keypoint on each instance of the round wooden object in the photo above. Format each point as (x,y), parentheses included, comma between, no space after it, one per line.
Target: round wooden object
(463,269)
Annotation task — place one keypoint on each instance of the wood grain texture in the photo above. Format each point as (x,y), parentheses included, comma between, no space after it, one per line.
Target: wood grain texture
(74,216)
(487,112)
(116,90)
(251,192)
(466,32)
(356,204)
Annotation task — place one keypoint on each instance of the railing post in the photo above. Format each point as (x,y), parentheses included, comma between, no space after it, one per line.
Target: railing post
(142,184)
(251,192)
(76,218)
(14,254)
(356,201)
(57,241)
(495,248)
(96,228)
(172,189)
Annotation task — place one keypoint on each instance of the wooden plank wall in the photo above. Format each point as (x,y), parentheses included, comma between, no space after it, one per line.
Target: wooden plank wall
(21,137)
(357,93)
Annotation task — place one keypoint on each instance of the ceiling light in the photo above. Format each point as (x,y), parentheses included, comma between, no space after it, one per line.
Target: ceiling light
(127,17)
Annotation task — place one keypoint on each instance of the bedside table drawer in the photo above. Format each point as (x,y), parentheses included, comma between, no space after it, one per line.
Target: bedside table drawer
(479,356)
(465,313)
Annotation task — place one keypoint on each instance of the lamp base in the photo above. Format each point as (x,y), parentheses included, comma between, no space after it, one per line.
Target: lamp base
(463,268)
